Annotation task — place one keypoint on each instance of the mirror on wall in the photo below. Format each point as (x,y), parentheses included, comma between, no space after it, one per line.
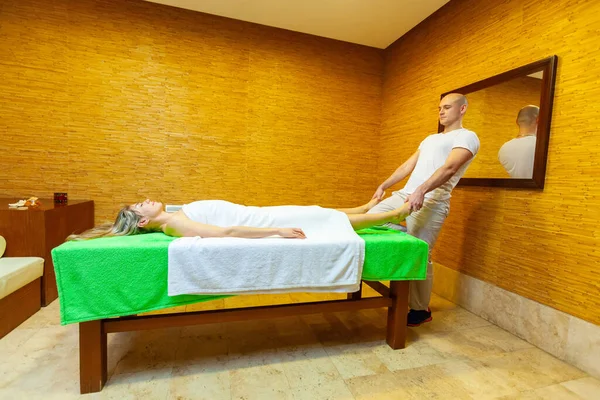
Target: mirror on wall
(510,113)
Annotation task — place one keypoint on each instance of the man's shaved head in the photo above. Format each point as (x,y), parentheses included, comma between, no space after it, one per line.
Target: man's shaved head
(457,98)
(527,120)
(528,113)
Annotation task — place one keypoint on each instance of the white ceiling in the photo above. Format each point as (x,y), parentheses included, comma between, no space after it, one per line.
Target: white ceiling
(376,23)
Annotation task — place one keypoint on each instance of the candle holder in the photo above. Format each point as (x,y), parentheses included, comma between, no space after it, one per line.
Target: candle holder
(60,199)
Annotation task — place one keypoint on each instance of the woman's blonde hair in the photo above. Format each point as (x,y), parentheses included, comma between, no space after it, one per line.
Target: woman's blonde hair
(126,224)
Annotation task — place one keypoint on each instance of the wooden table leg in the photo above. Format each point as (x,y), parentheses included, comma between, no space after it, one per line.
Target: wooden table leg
(356,295)
(397,315)
(92,356)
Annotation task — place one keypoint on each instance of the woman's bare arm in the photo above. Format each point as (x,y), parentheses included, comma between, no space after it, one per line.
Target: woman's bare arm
(181,226)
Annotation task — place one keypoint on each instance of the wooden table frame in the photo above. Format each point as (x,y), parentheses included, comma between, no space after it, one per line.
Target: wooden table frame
(93,340)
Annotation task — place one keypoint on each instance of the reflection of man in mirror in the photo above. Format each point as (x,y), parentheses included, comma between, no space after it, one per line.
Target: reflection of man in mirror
(517,155)
(434,169)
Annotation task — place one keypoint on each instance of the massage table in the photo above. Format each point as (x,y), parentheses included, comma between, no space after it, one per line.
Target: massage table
(103,285)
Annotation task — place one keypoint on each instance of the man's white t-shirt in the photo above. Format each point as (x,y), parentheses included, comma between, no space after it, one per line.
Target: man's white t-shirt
(517,155)
(433,152)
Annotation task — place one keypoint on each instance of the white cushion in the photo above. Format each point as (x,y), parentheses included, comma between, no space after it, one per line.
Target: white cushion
(2,245)
(16,272)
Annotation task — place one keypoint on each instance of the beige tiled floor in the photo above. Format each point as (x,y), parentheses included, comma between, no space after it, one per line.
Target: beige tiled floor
(322,356)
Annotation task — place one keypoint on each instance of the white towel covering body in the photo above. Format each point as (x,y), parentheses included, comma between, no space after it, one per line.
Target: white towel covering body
(330,259)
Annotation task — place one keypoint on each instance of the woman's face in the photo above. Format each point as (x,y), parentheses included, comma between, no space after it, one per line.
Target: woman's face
(148,208)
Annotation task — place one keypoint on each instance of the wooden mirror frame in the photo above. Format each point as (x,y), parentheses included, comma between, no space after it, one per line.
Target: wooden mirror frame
(548,67)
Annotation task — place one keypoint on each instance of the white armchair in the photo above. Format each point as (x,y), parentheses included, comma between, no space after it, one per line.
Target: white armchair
(20,289)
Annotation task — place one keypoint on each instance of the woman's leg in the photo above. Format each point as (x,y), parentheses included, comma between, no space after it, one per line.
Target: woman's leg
(360,209)
(362,221)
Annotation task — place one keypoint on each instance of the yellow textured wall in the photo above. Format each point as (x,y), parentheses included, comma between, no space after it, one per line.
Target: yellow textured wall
(492,114)
(118,100)
(540,244)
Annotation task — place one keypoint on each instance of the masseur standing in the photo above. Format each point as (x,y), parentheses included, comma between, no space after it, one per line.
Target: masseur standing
(434,169)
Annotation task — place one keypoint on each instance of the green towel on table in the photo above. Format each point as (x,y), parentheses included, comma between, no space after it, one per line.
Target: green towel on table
(120,276)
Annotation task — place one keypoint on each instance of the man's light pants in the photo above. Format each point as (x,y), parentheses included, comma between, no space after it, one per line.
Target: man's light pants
(424,224)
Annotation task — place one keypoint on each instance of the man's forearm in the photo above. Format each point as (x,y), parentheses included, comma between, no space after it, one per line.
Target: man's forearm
(398,175)
(457,158)
(401,172)
(439,177)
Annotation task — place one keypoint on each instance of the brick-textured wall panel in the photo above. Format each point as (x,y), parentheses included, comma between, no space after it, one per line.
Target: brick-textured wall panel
(117,100)
(539,244)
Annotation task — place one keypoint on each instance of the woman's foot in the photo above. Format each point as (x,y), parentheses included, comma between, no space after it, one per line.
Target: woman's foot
(401,213)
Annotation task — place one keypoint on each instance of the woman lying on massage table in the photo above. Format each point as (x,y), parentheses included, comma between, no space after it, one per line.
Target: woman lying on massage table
(216,218)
